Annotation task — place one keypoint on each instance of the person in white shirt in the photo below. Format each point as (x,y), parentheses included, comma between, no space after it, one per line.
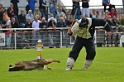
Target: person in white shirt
(35,24)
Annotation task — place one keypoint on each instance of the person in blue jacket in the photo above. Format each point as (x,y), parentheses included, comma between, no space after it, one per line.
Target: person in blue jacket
(31,4)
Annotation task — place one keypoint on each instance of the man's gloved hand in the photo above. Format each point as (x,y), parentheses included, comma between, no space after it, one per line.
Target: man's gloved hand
(69,32)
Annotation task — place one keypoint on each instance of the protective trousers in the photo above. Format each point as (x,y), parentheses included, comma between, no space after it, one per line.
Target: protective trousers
(79,44)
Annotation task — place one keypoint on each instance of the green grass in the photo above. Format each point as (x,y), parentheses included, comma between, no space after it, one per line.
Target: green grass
(108,66)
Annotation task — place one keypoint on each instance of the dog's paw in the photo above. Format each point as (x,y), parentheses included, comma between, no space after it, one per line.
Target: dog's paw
(49,68)
(58,61)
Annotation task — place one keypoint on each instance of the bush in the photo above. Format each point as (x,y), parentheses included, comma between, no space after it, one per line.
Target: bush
(122,21)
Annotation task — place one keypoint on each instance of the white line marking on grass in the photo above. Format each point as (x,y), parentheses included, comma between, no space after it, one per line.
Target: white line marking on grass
(104,63)
(108,63)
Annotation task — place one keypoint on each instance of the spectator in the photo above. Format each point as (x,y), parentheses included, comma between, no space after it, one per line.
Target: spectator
(27,8)
(36,24)
(5,17)
(98,14)
(1,12)
(30,15)
(106,14)
(10,11)
(69,22)
(8,33)
(14,24)
(60,24)
(42,7)
(53,8)
(51,24)
(111,6)
(85,8)
(7,24)
(27,33)
(115,21)
(31,4)
(43,24)
(28,23)
(102,15)
(76,6)
(37,12)
(113,13)
(15,4)
(52,16)
(122,15)
(93,13)
(63,16)
(22,19)
(60,12)
(109,20)
(105,3)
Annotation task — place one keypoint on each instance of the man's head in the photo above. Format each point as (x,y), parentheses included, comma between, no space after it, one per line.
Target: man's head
(61,19)
(51,15)
(11,5)
(22,12)
(28,20)
(13,19)
(36,18)
(43,19)
(30,12)
(84,22)
(60,9)
(1,5)
(112,9)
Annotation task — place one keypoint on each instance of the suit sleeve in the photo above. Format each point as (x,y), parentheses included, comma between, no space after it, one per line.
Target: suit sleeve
(101,22)
(75,28)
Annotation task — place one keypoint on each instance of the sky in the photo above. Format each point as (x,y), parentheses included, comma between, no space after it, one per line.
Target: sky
(93,2)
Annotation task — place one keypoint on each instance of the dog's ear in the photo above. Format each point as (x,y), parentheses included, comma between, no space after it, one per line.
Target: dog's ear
(10,68)
(10,65)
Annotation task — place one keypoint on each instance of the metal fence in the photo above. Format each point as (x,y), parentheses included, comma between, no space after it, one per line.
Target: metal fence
(102,39)
(25,38)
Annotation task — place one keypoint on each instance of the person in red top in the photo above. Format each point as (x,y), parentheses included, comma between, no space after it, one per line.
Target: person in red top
(113,13)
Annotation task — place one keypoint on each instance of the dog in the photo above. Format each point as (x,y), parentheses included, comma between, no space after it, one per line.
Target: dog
(39,64)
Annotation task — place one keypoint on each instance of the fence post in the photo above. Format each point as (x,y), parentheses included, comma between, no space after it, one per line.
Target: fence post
(60,38)
(15,40)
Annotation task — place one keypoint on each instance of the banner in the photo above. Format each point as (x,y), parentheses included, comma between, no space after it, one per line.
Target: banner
(2,39)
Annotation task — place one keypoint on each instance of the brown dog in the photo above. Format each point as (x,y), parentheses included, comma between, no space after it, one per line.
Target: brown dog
(30,65)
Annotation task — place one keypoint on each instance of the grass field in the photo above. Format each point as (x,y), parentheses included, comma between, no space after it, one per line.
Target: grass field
(108,66)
